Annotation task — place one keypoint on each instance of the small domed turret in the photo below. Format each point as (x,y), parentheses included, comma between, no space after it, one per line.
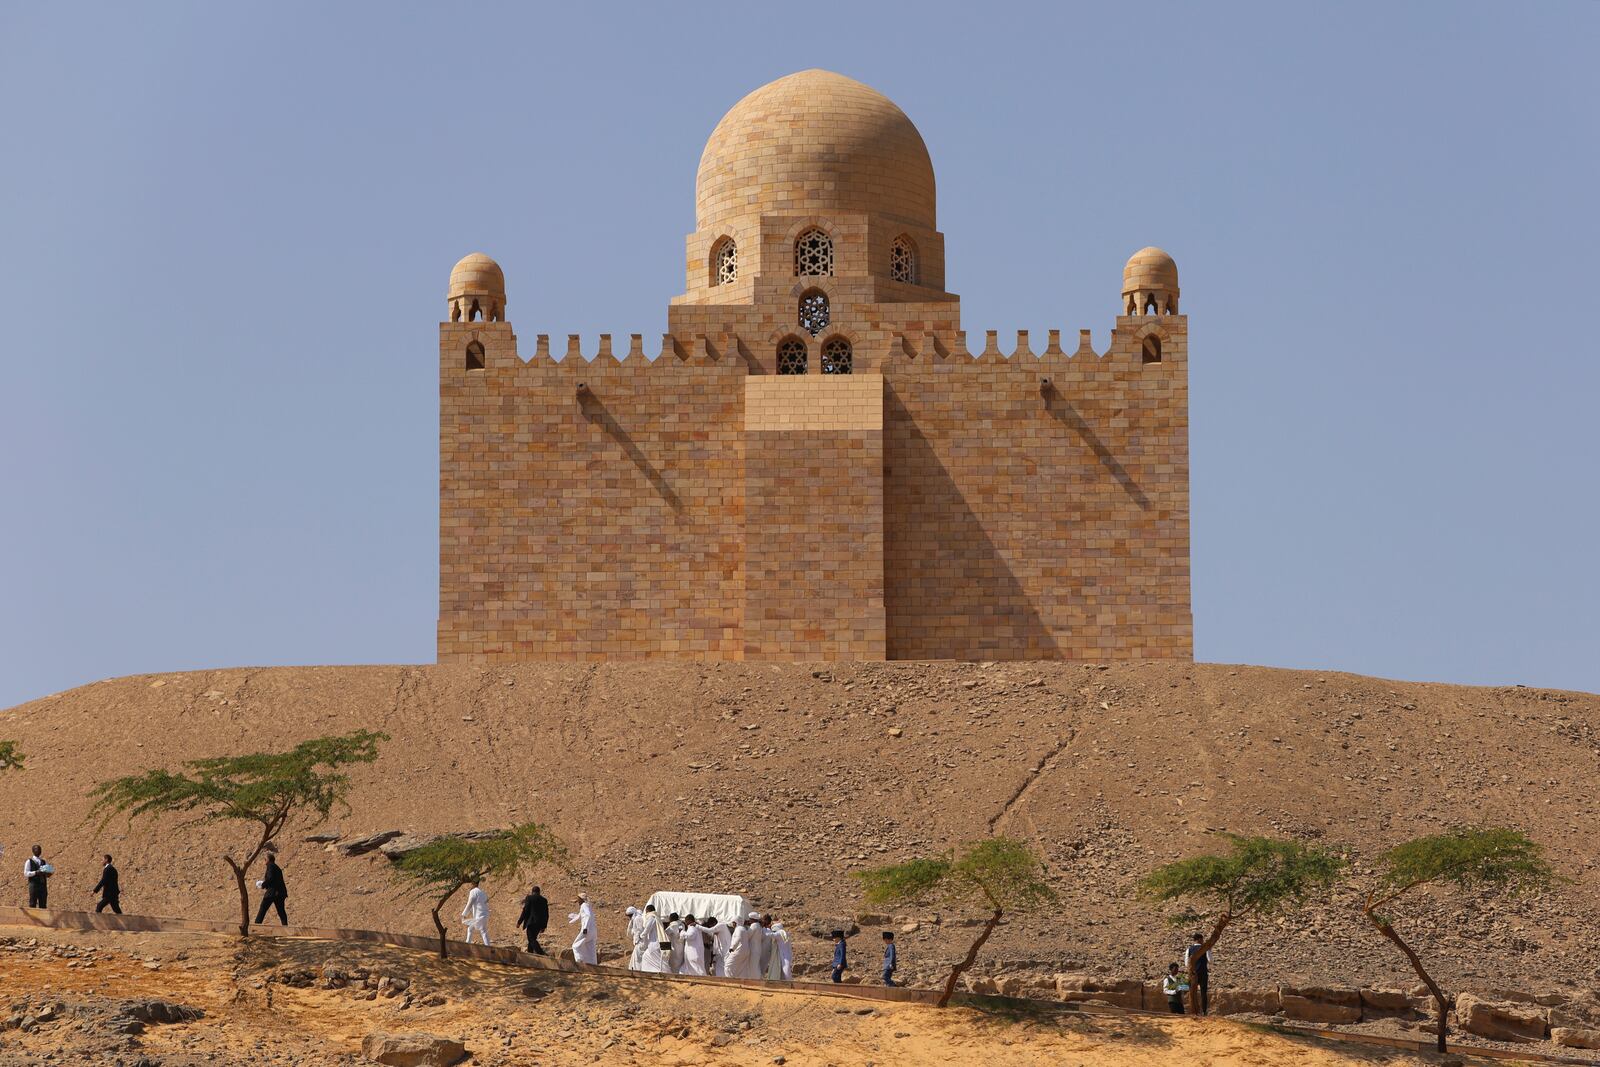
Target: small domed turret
(1150,284)
(477,290)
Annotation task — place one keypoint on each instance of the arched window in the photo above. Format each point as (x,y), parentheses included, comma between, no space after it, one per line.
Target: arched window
(1152,349)
(836,356)
(455,311)
(476,314)
(474,355)
(903,260)
(813,253)
(814,317)
(791,356)
(724,262)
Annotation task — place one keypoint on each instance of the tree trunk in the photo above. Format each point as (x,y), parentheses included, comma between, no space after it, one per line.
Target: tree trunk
(1442,1006)
(244,897)
(438,925)
(966,964)
(1205,946)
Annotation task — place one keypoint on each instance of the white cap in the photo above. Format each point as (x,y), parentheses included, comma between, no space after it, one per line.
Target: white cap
(632,910)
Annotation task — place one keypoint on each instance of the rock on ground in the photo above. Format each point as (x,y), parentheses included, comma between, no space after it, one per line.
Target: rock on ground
(1501,1021)
(412,1050)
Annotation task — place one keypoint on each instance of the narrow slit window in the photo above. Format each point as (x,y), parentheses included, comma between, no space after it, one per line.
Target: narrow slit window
(903,260)
(474,356)
(725,262)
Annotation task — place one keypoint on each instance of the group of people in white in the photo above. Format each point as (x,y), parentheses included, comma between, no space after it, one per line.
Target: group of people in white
(748,945)
(756,946)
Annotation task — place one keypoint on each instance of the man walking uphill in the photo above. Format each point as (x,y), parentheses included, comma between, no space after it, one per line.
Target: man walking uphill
(534,918)
(108,888)
(273,892)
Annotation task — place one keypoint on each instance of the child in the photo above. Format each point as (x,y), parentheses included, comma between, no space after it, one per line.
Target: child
(888,958)
(838,955)
(1175,984)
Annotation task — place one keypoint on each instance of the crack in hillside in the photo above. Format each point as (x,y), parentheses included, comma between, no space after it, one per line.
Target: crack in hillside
(1045,764)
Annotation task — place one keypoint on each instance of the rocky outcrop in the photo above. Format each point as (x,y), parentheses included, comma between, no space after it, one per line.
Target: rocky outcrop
(1575,1037)
(360,846)
(400,844)
(1120,992)
(161,1012)
(1386,1004)
(1501,1020)
(412,1050)
(1321,1004)
(1245,1001)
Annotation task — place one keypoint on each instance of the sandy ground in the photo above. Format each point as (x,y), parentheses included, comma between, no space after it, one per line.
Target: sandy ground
(778,781)
(254,1014)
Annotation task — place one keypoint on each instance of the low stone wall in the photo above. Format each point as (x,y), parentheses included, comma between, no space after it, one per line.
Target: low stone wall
(87,920)
(1501,1015)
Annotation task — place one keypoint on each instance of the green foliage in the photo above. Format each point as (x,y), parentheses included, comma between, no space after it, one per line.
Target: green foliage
(1468,858)
(10,758)
(262,787)
(447,863)
(1002,872)
(1259,875)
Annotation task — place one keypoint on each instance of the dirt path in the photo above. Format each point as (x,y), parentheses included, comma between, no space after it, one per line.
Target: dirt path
(281,1002)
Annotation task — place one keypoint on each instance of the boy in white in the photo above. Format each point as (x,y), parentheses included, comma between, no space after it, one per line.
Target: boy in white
(476,913)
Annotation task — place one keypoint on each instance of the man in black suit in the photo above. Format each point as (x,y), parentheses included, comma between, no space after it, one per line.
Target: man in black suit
(273,891)
(38,873)
(534,918)
(109,889)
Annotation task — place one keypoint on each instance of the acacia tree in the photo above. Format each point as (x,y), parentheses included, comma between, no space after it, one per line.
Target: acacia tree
(1496,860)
(266,789)
(441,867)
(1258,876)
(1001,873)
(10,758)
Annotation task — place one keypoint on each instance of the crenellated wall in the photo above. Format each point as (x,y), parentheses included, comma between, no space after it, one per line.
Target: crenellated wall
(937,503)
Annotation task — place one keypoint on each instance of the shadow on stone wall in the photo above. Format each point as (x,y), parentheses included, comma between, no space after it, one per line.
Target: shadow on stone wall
(949,592)
(595,412)
(1062,411)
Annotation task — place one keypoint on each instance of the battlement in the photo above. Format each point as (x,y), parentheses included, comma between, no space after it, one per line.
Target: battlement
(875,352)
(815,460)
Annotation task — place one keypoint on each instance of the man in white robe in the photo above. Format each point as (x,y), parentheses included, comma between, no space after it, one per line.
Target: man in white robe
(476,913)
(675,935)
(739,962)
(635,936)
(756,940)
(781,966)
(657,945)
(724,941)
(587,941)
(769,947)
(694,948)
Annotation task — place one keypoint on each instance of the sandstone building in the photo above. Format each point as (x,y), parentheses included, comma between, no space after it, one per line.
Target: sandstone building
(816,465)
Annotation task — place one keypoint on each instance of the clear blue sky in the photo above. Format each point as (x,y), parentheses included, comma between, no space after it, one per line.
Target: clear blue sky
(225,231)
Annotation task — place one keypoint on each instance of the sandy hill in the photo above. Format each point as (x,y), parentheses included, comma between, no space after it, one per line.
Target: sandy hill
(777,781)
(295,1003)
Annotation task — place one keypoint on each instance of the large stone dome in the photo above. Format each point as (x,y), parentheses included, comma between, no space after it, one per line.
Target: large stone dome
(814,143)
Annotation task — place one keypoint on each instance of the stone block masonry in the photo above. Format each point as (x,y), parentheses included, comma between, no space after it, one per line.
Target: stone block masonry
(816,465)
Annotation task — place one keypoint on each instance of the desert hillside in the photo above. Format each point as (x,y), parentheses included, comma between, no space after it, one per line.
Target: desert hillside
(203,1000)
(778,781)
